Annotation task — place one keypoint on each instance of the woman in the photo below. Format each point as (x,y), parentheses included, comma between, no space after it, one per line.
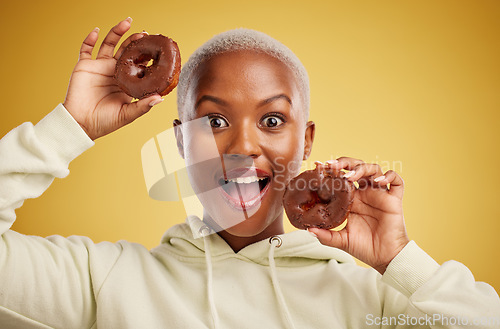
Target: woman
(252,93)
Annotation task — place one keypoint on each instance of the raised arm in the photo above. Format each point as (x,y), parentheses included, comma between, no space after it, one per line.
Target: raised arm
(53,282)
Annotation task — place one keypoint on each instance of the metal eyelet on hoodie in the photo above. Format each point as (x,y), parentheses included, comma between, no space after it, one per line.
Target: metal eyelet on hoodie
(277,239)
(204,230)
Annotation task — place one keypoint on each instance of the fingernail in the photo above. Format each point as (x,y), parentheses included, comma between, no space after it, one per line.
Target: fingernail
(155,102)
(349,174)
(144,32)
(332,161)
(129,19)
(378,179)
(97,30)
(319,165)
(312,233)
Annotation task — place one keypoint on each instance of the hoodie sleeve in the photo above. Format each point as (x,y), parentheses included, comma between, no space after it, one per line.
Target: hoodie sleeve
(32,156)
(445,296)
(44,282)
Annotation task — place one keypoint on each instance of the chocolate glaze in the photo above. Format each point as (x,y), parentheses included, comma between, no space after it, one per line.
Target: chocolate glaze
(318,198)
(138,79)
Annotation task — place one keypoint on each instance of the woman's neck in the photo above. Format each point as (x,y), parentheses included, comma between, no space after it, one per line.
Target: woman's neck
(237,242)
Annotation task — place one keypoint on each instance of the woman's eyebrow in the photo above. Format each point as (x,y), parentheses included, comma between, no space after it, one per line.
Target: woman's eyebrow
(273,98)
(210,98)
(219,101)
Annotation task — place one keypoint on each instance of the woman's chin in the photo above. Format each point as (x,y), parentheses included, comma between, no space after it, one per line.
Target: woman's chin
(244,230)
(266,214)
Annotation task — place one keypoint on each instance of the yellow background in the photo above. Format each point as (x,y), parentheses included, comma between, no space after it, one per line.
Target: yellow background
(411,85)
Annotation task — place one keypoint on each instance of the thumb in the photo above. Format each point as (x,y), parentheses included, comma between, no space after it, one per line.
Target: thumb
(336,239)
(141,107)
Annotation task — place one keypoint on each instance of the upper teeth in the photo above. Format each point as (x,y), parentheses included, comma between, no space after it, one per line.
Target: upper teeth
(245,180)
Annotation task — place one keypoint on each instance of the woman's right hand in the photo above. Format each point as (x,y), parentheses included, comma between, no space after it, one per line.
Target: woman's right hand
(93,98)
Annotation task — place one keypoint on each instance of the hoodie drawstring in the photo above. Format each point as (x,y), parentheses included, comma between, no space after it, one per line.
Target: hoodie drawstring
(205,232)
(275,242)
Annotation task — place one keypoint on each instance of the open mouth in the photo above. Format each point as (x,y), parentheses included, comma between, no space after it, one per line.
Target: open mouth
(244,187)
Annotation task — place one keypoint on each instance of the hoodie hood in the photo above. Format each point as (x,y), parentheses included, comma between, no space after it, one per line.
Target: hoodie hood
(299,248)
(195,242)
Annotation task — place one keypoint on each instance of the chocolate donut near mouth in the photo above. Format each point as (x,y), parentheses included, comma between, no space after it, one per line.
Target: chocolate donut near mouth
(318,198)
(149,65)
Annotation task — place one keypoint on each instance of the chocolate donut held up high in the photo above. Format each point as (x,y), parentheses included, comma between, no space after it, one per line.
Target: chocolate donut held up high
(318,198)
(149,65)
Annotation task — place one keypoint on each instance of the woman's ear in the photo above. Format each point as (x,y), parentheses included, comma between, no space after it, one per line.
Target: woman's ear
(309,139)
(179,137)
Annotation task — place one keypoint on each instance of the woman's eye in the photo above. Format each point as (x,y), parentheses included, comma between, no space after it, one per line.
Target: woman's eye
(272,121)
(216,122)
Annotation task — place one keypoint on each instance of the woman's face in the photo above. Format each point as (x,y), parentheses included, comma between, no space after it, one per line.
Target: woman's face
(249,103)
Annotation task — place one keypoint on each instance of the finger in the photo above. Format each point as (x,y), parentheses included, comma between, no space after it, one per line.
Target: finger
(133,37)
(134,110)
(330,167)
(88,44)
(365,175)
(112,38)
(363,170)
(396,183)
(320,165)
(373,181)
(344,163)
(336,239)
(327,167)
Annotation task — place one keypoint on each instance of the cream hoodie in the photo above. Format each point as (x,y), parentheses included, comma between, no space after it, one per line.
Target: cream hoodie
(186,282)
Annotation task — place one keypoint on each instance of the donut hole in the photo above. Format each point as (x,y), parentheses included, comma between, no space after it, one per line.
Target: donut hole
(311,202)
(144,62)
(143,59)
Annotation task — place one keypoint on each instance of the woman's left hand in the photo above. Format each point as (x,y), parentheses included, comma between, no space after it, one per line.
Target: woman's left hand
(375,231)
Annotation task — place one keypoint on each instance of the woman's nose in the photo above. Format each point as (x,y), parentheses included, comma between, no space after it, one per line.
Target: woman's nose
(244,141)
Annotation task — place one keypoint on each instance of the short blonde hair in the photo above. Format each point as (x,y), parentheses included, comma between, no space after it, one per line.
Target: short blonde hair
(242,39)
